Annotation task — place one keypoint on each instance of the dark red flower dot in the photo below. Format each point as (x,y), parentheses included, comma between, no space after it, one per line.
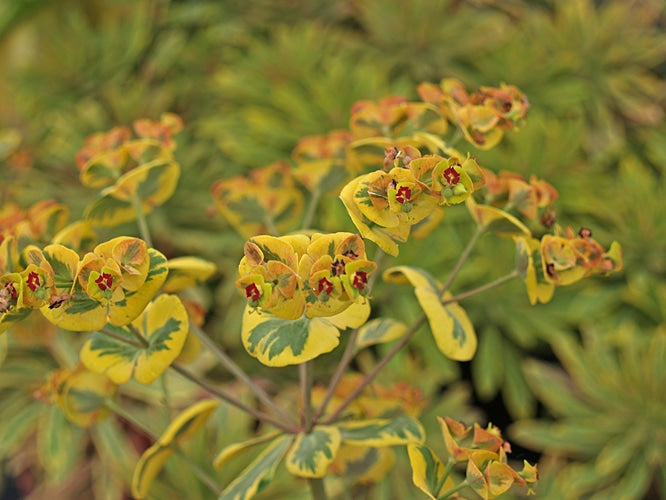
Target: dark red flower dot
(33,281)
(252,292)
(403,195)
(451,176)
(360,280)
(104,281)
(324,286)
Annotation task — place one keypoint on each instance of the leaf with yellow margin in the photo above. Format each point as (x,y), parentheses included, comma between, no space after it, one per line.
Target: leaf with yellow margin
(352,317)
(428,471)
(379,432)
(233,450)
(453,331)
(187,271)
(312,453)
(276,341)
(163,326)
(380,331)
(259,473)
(187,423)
(496,220)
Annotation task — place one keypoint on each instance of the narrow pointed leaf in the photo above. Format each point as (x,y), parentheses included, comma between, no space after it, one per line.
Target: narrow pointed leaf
(312,453)
(496,220)
(233,450)
(259,473)
(382,432)
(149,466)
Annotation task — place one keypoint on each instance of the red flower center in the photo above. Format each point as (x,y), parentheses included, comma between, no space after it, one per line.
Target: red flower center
(324,286)
(360,280)
(451,176)
(104,281)
(252,292)
(33,281)
(403,195)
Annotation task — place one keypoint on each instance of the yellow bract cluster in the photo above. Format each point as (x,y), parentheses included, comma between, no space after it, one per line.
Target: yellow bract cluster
(318,276)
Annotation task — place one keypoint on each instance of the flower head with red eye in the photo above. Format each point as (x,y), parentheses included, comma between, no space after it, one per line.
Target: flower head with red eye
(33,282)
(104,281)
(324,288)
(451,176)
(360,280)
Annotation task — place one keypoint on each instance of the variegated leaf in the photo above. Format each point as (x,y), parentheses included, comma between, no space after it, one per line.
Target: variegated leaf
(187,271)
(280,342)
(428,471)
(380,331)
(313,452)
(380,432)
(163,326)
(453,331)
(259,473)
(235,449)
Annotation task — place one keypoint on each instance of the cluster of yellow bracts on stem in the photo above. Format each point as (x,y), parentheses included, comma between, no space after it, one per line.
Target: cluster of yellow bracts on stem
(318,276)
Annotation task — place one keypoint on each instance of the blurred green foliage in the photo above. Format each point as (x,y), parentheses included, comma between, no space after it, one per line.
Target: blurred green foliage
(251,78)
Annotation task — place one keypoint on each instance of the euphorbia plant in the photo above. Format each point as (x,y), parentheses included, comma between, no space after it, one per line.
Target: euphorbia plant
(397,171)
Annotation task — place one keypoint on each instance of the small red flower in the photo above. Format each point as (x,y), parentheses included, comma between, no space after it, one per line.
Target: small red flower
(104,281)
(33,281)
(252,292)
(324,286)
(9,286)
(403,195)
(451,176)
(360,280)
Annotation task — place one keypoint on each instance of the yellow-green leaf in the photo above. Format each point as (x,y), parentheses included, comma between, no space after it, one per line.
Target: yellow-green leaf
(352,317)
(163,326)
(183,426)
(379,331)
(280,342)
(312,453)
(153,183)
(259,473)
(149,466)
(428,471)
(379,432)
(496,220)
(187,271)
(235,449)
(453,331)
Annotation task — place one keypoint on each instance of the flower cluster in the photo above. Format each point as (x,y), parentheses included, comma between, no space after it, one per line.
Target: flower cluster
(485,452)
(385,205)
(112,283)
(105,156)
(265,202)
(482,115)
(563,259)
(320,275)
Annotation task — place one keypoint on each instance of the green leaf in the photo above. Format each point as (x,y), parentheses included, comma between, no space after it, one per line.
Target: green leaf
(382,432)
(517,395)
(453,331)
(163,326)
(59,444)
(149,466)
(231,451)
(280,342)
(428,471)
(259,473)
(313,452)
(380,331)
(488,365)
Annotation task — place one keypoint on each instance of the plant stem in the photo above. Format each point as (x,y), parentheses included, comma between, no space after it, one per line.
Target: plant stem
(141,220)
(200,473)
(347,356)
(375,371)
(463,257)
(137,335)
(311,209)
(447,470)
(317,488)
(240,374)
(121,339)
(370,376)
(454,490)
(305,372)
(270,225)
(232,400)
